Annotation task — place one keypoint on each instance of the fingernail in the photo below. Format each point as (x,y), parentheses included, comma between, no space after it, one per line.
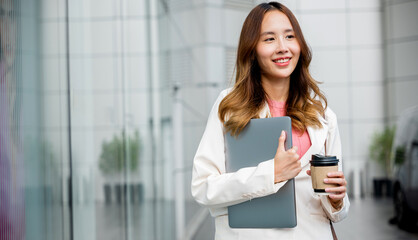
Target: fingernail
(282,133)
(326,180)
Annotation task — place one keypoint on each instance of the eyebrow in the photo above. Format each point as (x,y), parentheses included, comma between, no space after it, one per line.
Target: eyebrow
(272,33)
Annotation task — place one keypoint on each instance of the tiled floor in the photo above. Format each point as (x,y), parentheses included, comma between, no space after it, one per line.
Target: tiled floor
(367,219)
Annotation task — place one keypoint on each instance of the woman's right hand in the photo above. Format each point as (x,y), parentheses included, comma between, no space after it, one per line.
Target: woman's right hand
(286,163)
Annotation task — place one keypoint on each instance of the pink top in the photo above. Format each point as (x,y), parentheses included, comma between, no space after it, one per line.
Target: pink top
(302,141)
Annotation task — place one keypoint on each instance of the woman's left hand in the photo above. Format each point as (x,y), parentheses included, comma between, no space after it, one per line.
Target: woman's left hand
(337,194)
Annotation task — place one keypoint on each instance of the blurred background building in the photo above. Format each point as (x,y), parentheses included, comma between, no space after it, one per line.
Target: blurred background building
(103,103)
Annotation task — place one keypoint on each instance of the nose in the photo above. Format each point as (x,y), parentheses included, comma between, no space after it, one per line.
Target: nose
(281,46)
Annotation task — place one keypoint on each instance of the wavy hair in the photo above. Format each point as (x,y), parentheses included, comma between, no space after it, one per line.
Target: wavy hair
(305,101)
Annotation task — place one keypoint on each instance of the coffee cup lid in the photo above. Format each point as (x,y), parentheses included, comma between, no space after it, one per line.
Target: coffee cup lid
(321,160)
(322,157)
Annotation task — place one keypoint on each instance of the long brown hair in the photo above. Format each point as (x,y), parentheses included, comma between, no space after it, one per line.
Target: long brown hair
(247,98)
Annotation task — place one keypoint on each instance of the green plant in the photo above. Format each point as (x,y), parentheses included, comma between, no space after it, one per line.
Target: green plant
(114,156)
(380,148)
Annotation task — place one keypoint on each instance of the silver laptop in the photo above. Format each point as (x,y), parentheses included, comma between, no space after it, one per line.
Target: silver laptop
(256,143)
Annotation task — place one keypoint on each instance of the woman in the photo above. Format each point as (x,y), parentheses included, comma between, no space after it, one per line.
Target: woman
(272,80)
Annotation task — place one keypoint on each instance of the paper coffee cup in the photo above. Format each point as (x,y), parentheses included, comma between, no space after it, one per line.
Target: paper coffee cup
(320,167)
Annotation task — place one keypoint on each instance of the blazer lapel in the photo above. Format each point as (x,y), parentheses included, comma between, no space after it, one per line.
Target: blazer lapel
(265,112)
(318,137)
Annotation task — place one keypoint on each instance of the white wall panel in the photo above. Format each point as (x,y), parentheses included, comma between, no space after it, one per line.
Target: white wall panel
(139,108)
(365,28)
(362,136)
(53,38)
(137,72)
(135,39)
(93,8)
(322,4)
(166,102)
(368,102)
(53,74)
(80,72)
(214,2)
(180,65)
(52,9)
(338,100)
(104,35)
(390,60)
(329,66)
(214,26)
(364,4)
(95,74)
(405,18)
(103,8)
(345,133)
(197,62)
(80,38)
(106,108)
(367,65)
(103,72)
(195,100)
(52,117)
(192,136)
(187,28)
(405,58)
(234,20)
(134,8)
(324,29)
(407,95)
(216,64)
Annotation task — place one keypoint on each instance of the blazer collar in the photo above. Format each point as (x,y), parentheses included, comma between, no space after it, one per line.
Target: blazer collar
(317,136)
(265,112)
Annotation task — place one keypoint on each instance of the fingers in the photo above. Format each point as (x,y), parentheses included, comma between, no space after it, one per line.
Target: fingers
(336,193)
(338,196)
(338,174)
(294,149)
(282,139)
(341,189)
(286,163)
(338,181)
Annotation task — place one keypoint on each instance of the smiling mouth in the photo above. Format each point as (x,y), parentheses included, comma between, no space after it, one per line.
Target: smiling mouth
(281,60)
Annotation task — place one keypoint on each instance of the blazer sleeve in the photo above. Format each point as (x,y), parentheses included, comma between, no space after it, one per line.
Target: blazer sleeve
(211,186)
(333,148)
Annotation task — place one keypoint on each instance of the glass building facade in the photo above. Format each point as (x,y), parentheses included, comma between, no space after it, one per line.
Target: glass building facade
(103,103)
(83,150)
(98,122)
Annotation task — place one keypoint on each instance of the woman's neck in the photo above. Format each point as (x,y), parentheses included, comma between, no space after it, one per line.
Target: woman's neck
(277,90)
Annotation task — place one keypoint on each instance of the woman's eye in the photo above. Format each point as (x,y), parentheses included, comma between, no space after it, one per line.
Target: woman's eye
(290,36)
(269,39)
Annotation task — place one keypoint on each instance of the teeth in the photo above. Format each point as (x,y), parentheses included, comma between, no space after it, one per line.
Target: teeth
(282,60)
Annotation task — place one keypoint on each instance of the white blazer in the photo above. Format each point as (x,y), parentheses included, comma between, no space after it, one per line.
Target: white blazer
(214,188)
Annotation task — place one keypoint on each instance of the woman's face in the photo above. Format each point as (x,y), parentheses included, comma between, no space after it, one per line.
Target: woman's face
(277,49)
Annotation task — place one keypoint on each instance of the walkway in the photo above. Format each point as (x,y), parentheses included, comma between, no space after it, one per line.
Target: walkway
(367,219)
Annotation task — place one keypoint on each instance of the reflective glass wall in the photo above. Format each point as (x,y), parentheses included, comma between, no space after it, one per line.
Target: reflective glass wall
(84,148)
(103,104)
(12,172)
